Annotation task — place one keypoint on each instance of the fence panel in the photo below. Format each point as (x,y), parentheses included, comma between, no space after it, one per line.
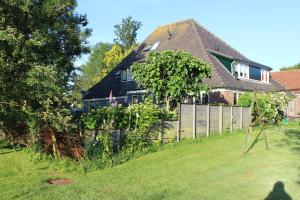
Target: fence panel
(186,120)
(201,116)
(214,120)
(226,118)
(236,118)
(246,117)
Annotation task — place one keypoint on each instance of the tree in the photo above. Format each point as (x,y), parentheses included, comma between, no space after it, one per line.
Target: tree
(95,69)
(297,66)
(126,32)
(172,75)
(113,57)
(40,41)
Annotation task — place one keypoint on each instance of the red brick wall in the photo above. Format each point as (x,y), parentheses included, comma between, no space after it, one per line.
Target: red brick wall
(297,104)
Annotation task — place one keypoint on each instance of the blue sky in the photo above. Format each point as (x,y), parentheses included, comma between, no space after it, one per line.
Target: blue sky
(265,31)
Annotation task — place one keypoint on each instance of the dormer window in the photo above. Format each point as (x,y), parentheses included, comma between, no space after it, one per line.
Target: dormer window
(244,71)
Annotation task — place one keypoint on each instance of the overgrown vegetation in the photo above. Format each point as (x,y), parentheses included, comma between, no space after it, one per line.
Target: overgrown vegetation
(133,128)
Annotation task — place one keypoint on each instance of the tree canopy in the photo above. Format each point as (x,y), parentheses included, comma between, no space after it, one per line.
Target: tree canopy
(297,66)
(172,75)
(126,32)
(39,42)
(95,69)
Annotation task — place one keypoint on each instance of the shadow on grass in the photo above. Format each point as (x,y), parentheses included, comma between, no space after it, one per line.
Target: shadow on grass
(293,141)
(278,192)
(6,151)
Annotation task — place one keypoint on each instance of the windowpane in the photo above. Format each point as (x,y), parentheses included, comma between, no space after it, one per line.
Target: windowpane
(129,74)
(255,73)
(123,75)
(242,67)
(246,71)
(236,70)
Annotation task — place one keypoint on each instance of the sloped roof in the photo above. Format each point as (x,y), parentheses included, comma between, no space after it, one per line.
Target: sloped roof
(188,36)
(290,78)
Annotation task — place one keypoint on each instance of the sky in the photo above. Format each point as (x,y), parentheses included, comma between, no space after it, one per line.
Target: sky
(266,31)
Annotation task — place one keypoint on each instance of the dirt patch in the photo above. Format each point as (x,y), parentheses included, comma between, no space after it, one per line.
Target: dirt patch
(60,181)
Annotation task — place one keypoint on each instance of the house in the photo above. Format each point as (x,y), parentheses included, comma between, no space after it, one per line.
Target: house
(232,72)
(291,80)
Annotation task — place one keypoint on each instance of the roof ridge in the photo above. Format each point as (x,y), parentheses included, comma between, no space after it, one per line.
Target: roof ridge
(200,41)
(173,23)
(219,39)
(207,53)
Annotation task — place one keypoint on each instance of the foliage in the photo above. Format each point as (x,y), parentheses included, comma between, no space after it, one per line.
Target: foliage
(297,66)
(126,32)
(268,107)
(95,69)
(137,120)
(39,42)
(113,57)
(172,75)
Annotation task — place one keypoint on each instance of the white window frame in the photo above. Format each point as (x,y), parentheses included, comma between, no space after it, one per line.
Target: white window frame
(123,75)
(241,68)
(265,75)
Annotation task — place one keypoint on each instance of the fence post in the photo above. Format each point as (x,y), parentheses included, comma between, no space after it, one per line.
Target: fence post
(194,118)
(221,120)
(241,118)
(179,121)
(207,120)
(231,118)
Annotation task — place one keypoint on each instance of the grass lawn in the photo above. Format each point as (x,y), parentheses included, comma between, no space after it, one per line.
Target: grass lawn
(212,168)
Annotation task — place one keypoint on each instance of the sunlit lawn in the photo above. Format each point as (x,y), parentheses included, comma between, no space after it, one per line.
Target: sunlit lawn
(213,168)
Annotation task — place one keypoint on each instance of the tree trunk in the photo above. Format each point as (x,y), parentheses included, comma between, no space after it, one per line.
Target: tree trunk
(54,145)
(167,103)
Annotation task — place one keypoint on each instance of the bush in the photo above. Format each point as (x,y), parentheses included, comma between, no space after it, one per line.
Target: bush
(137,121)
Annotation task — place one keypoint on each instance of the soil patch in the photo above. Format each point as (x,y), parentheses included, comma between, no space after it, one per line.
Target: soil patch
(60,181)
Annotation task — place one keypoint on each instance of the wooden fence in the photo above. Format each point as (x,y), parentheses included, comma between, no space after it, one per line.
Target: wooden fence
(205,120)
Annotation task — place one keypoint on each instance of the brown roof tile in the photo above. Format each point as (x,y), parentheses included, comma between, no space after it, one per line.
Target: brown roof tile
(290,78)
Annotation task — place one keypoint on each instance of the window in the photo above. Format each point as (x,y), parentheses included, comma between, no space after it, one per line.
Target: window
(135,99)
(154,46)
(129,74)
(241,70)
(123,75)
(264,75)
(255,73)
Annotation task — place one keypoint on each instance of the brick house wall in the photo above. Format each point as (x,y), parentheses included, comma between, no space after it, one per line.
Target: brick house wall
(297,104)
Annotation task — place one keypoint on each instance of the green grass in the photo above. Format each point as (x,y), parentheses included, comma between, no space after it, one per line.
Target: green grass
(211,168)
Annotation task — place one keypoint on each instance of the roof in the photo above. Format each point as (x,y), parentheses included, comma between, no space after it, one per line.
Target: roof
(290,78)
(187,36)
